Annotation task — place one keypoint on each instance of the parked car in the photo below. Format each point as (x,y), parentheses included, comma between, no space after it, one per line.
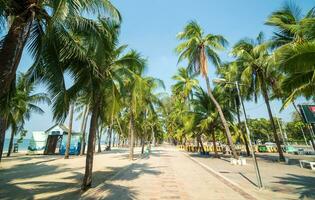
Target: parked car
(270,144)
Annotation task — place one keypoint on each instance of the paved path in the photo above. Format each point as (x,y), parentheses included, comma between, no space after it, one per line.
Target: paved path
(166,174)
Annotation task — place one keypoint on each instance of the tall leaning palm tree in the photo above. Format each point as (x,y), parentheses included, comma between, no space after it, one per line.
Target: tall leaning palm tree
(89,59)
(28,21)
(198,49)
(37,23)
(205,117)
(258,73)
(231,72)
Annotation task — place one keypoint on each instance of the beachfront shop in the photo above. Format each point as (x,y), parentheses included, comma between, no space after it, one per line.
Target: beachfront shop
(54,140)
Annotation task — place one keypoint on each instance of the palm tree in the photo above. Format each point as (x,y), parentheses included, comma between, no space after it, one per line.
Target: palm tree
(185,83)
(110,71)
(295,53)
(198,48)
(97,67)
(295,42)
(258,66)
(46,26)
(152,104)
(22,105)
(205,117)
(291,25)
(29,21)
(231,73)
(135,84)
(71,110)
(82,104)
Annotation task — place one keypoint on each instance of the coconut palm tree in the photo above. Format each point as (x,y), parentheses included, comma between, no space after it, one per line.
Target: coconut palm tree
(113,103)
(29,21)
(22,105)
(135,85)
(258,73)
(294,38)
(152,106)
(198,48)
(82,105)
(71,111)
(291,26)
(97,67)
(39,23)
(205,117)
(232,73)
(109,73)
(185,83)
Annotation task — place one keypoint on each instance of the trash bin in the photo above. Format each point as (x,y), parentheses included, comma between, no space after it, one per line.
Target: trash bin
(262,148)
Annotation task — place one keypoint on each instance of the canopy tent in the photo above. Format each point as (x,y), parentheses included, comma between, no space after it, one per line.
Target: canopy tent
(37,143)
(54,140)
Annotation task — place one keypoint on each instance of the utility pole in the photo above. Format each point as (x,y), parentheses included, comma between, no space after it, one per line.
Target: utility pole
(260,185)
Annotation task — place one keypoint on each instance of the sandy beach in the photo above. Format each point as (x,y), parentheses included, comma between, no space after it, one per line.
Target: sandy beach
(50,177)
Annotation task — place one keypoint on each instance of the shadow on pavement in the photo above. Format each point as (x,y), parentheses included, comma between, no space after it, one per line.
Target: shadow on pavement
(304,185)
(109,190)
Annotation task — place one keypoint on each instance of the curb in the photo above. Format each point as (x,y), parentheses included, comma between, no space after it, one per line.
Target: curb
(234,186)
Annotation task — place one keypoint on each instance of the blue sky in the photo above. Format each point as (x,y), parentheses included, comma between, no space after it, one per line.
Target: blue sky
(150,26)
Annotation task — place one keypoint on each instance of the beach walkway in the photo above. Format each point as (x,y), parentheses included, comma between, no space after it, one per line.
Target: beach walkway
(166,173)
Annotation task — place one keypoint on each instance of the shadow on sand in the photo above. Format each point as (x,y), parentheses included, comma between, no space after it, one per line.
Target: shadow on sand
(24,181)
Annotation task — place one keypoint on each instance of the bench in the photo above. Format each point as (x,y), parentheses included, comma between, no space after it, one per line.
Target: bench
(305,162)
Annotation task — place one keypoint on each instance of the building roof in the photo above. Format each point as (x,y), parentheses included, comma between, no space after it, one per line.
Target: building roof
(62,126)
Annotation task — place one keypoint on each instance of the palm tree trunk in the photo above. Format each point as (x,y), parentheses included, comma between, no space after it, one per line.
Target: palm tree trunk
(87,180)
(185,140)
(83,127)
(223,120)
(114,139)
(243,132)
(11,51)
(70,132)
(266,97)
(118,140)
(131,133)
(99,135)
(11,141)
(110,137)
(153,137)
(3,128)
(216,155)
(200,142)
(142,145)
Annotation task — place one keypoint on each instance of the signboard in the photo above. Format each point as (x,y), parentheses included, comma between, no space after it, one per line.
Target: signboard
(308,113)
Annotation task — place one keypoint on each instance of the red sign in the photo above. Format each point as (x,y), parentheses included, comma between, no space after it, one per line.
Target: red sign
(312,108)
